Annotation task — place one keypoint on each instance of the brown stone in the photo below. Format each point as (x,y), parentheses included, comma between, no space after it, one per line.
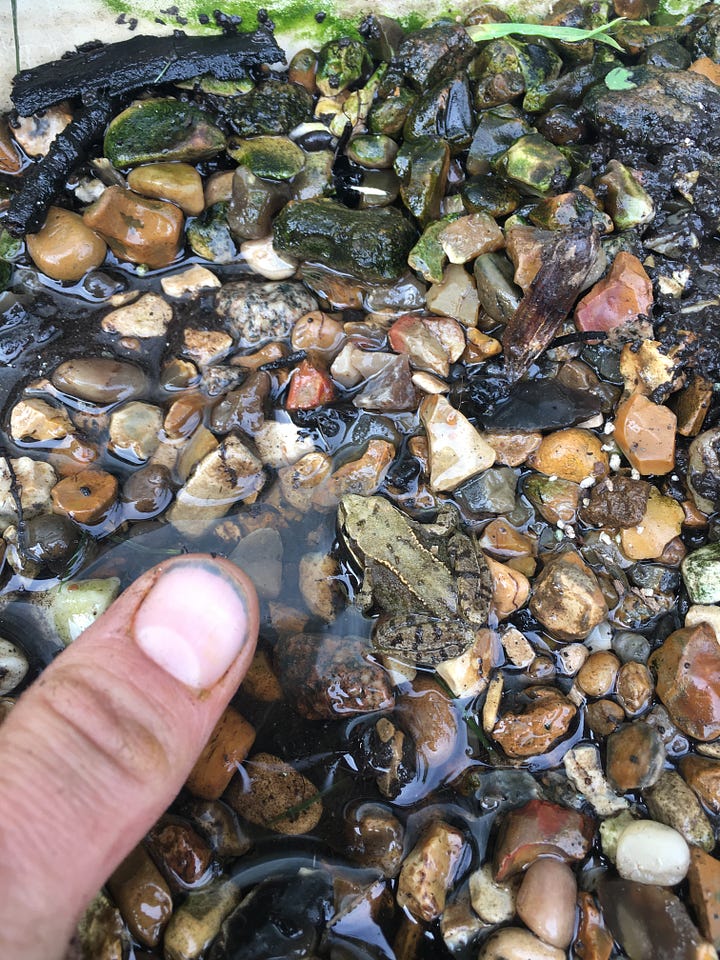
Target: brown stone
(619,298)
(503,541)
(184,415)
(693,405)
(65,248)
(593,941)
(178,182)
(85,497)
(229,744)
(659,526)
(512,449)
(635,756)
(555,500)
(10,160)
(645,432)
(142,896)
(702,774)
(182,854)
(571,454)
(428,714)
(537,726)
(136,228)
(604,716)
(597,675)
(687,667)
(274,795)
(704,890)
(707,68)
(537,829)
(428,871)
(546,901)
(326,677)
(634,687)
(567,598)
(617,502)
(511,588)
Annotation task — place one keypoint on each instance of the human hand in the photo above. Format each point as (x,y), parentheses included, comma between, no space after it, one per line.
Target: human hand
(98,747)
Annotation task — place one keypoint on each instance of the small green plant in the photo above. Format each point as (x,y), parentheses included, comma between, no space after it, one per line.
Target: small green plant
(493,31)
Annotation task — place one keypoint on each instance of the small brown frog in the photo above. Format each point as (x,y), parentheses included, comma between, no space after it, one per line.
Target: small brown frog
(429,581)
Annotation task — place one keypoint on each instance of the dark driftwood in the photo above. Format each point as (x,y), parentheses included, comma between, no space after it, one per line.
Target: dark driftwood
(44,180)
(565,266)
(117,68)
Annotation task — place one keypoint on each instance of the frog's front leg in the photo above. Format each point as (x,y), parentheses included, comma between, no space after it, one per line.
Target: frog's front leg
(417,638)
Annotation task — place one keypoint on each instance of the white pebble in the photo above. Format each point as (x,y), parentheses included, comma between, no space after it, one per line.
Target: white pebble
(599,638)
(13,667)
(650,852)
(262,258)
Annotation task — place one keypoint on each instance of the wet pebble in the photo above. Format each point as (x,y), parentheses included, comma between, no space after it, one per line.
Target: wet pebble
(99,380)
(196,923)
(631,646)
(258,312)
(428,871)
(142,896)
(537,829)
(537,725)
(702,774)
(671,801)
(567,598)
(135,228)
(515,943)
(183,855)
(13,666)
(374,838)
(573,454)
(148,316)
(546,901)
(65,248)
(36,419)
(635,756)
(50,539)
(326,677)
(597,676)
(617,502)
(651,852)
(219,825)
(701,574)
(427,713)
(274,795)
(704,891)
(645,432)
(634,687)
(35,481)
(493,902)
(687,668)
(226,748)
(134,432)
(87,496)
(492,492)
(457,450)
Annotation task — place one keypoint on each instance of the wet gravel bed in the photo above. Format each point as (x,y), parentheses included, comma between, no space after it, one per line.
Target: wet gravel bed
(422,333)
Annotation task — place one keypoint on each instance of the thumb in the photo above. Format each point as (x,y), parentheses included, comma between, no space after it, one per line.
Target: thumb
(99,746)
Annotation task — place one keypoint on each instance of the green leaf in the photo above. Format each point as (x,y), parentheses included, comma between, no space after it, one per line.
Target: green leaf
(619,79)
(493,31)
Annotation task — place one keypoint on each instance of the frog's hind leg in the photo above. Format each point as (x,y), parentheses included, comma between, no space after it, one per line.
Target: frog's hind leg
(474,582)
(422,641)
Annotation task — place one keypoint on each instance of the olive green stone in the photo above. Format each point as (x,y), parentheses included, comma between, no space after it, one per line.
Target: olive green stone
(444,111)
(427,257)
(371,245)
(209,235)
(341,63)
(315,178)
(253,205)
(498,295)
(379,188)
(373,152)
(535,165)
(627,202)
(701,573)
(161,129)
(272,158)
(423,168)
(388,116)
(489,194)
(272,107)
(498,129)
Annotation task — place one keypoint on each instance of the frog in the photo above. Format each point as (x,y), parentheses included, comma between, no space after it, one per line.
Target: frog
(429,582)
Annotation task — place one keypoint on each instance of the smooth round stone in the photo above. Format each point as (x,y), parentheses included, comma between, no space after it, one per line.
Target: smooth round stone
(65,248)
(546,901)
(631,646)
(50,538)
(99,380)
(650,852)
(13,666)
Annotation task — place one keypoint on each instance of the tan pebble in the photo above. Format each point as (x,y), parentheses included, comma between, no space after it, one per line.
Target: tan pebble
(493,902)
(702,774)
(189,282)
(227,747)
(687,671)
(73,455)
(597,675)
(35,134)
(218,187)
(504,542)
(65,248)
(299,481)
(142,896)
(266,354)
(147,316)
(645,432)
(537,726)
(318,332)
(428,871)
(480,347)
(546,901)
(692,406)
(513,449)
(567,598)
(178,182)
(36,419)
(572,454)
(517,647)
(184,415)
(707,68)
(318,586)
(572,657)
(457,450)
(206,346)
(704,881)
(136,228)
(260,681)
(134,432)
(274,795)
(634,687)
(511,588)
(426,712)
(515,943)
(363,476)
(85,497)
(672,802)
(646,368)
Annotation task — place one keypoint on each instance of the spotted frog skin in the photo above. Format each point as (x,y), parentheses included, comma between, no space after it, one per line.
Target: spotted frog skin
(430,583)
